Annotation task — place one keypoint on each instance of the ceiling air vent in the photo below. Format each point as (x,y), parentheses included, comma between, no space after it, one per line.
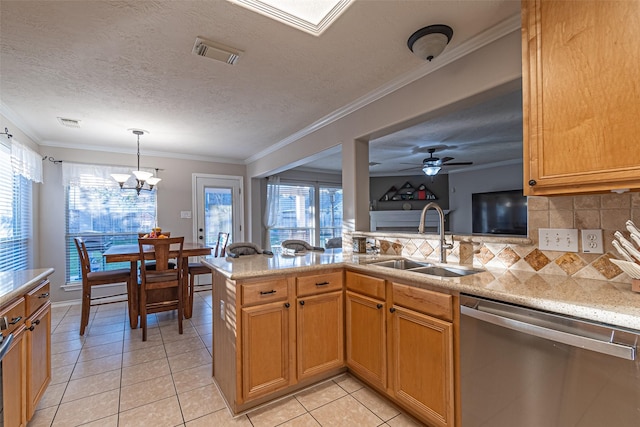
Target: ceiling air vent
(70,123)
(217,51)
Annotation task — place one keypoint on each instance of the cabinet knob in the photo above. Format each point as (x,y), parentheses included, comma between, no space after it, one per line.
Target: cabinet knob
(379,306)
(532,182)
(392,309)
(301,302)
(287,305)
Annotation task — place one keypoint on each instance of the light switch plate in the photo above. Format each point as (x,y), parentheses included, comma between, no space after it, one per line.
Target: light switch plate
(592,241)
(185,214)
(558,239)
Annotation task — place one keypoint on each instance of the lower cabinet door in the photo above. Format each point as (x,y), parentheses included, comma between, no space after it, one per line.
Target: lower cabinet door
(423,365)
(38,356)
(320,335)
(265,349)
(14,382)
(366,338)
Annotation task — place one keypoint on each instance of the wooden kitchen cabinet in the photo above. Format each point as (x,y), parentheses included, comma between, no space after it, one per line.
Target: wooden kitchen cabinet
(319,323)
(265,348)
(320,333)
(26,368)
(580,96)
(366,328)
(266,319)
(38,337)
(14,381)
(422,374)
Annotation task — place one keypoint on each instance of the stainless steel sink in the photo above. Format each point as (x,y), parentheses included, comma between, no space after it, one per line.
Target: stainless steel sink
(427,268)
(446,271)
(402,264)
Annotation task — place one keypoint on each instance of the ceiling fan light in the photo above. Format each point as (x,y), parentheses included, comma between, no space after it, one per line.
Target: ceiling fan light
(431,170)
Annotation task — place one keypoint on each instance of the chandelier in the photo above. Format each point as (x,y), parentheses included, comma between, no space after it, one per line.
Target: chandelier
(142,177)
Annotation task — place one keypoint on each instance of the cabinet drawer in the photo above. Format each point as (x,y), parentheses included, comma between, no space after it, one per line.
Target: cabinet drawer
(37,297)
(424,301)
(318,283)
(15,315)
(262,292)
(365,285)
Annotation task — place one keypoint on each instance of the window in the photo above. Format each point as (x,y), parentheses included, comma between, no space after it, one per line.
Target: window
(298,217)
(103,215)
(15,216)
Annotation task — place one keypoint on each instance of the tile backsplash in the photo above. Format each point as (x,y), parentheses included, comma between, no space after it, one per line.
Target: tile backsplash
(608,212)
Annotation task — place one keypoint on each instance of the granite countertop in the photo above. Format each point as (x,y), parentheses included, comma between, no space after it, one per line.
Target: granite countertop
(14,284)
(597,300)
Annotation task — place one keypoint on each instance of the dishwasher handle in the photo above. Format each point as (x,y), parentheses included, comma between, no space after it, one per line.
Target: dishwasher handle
(587,343)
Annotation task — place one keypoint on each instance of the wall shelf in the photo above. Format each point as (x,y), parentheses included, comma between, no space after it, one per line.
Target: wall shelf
(408,192)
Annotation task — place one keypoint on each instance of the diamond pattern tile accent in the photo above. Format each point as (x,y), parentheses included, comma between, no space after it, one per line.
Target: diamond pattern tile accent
(508,257)
(425,249)
(536,259)
(410,248)
(570,263)
(606,267)
(485,255)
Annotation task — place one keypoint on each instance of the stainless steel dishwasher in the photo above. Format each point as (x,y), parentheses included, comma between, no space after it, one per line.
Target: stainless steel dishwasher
(528,368)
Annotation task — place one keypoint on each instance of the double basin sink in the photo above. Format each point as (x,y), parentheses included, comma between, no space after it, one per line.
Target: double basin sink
(427,268)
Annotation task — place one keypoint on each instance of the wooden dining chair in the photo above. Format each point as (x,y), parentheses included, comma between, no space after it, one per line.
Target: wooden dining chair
(91,279)
(161,288)
(152,264)
(197,268)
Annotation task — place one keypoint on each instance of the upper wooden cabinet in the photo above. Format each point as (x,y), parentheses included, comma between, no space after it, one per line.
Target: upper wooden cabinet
(581,88)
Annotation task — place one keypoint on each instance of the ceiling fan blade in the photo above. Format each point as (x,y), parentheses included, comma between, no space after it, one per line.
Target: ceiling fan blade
(446,159)
(458,164)
(407,169)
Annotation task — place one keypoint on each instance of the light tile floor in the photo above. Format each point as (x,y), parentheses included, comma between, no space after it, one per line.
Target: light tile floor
(110,377)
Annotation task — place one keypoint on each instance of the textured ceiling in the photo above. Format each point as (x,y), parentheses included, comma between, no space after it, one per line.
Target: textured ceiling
(116,65)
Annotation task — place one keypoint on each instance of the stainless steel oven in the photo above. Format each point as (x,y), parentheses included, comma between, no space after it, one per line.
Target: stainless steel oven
(527,368)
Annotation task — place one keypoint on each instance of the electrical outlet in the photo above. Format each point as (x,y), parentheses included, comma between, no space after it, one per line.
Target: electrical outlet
(558,239)
(592,241)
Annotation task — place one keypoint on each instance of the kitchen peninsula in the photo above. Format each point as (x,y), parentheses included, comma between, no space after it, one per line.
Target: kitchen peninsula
(265,307)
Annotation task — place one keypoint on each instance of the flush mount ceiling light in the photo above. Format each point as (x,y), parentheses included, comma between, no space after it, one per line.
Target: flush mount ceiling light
(310,16)
(142,177)
(429,42)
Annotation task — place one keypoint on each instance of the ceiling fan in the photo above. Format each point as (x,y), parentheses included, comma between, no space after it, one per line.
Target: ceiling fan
(432,165)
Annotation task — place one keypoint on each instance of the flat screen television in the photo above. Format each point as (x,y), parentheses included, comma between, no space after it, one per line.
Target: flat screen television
(499,213)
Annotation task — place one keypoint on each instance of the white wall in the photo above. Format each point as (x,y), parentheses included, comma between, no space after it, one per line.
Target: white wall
(174,195)
(463,184)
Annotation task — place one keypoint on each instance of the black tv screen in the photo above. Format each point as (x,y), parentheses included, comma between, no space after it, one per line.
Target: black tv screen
(499,212)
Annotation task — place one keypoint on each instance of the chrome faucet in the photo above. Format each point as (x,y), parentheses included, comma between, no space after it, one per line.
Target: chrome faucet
(443,243)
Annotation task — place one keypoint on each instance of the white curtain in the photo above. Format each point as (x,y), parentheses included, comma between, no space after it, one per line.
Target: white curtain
(272,208)
(86,175)
(26,162)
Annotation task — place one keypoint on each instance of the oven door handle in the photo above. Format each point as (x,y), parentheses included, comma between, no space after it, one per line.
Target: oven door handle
(4,345)
(605,347)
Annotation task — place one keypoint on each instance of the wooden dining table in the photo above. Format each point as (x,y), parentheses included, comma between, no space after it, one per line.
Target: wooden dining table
(131,254)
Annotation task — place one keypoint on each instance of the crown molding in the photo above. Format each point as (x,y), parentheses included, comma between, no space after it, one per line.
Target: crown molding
(162,154)
(14,118)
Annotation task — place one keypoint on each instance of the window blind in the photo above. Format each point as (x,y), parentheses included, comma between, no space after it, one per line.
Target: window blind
(103,215)
(15,216)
